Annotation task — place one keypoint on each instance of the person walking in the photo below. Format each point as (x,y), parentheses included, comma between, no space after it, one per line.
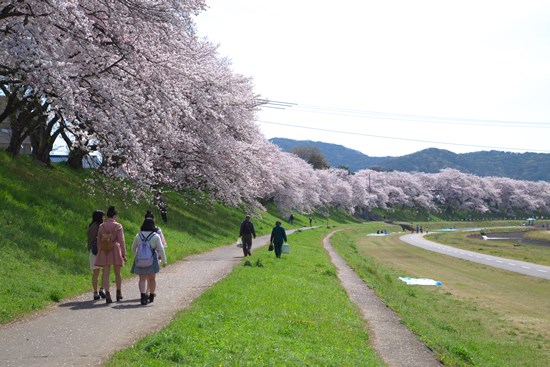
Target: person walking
(97,219)
(150,215)
(147,274)
(111,231)
(278,237)
(246,233)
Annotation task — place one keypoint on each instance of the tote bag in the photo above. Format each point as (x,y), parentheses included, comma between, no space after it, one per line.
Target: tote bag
(286,248)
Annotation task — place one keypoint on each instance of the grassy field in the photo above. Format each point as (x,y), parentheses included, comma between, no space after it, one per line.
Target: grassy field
(44,217)
(539,235)
(481,316)
(268,312)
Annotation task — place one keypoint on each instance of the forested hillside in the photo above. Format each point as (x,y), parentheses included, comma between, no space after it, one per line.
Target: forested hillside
(336,155)
(520,166)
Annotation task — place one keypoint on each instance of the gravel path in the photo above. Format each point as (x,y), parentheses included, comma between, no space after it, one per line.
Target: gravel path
(395,344)
(74,332)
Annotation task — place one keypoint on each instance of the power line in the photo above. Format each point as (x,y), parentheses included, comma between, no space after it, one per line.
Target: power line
(399,116)
(404,139)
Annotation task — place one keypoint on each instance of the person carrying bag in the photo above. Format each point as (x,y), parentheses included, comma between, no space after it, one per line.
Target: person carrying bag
(278,238)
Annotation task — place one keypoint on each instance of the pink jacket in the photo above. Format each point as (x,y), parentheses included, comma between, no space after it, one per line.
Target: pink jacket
(115,257)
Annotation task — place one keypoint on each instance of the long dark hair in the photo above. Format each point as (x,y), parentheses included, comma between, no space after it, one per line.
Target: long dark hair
(111,212)
(97,217)
(148,225)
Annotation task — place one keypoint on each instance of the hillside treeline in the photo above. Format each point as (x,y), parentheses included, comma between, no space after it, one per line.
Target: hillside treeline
(447,191)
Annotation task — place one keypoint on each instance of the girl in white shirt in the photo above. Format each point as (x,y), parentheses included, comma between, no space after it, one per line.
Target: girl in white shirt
(147,275)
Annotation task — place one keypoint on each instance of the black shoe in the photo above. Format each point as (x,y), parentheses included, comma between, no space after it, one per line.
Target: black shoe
(96,296)
(101,293)
(144,299)
(108,298)
(152,297)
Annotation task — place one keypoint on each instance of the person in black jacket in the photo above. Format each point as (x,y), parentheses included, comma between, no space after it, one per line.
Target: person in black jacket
(246,233)
(278,237)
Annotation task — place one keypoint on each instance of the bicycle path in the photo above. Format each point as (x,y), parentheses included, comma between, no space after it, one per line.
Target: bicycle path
(82,332)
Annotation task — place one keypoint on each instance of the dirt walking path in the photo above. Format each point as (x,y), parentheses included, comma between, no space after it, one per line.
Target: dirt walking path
(81,332)
(395,344)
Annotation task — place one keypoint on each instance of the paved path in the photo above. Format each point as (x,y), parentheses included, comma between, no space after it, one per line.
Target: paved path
(77,332)
(395,344)
(534,270)
(81,332)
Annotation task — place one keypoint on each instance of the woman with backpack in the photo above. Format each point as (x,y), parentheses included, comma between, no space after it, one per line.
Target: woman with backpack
(147,248)
(97,219)
(150,215)
(112,251)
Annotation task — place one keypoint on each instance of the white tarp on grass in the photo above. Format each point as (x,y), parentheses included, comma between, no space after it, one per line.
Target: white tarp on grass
(421,281)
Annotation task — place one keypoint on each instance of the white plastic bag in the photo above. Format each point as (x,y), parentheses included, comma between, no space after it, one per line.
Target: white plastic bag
(240,242)
(286,248)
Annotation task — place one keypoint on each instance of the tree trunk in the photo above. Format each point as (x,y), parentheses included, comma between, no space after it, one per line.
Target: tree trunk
(75,158)
(41,148)
(15,144)
(42,138)
(19,132)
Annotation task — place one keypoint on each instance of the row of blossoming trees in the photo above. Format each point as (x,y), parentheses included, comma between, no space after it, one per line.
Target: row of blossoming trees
(132,80)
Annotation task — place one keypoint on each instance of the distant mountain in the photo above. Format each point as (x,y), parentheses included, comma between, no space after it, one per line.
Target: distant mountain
(336,155)
(520,166)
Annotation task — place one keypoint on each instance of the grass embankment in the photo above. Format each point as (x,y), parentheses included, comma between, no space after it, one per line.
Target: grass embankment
(539,235)
(481,316)
(44,217)
(267,312)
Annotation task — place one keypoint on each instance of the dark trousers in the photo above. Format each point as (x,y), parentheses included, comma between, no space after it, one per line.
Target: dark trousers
(278,248)
(247,243)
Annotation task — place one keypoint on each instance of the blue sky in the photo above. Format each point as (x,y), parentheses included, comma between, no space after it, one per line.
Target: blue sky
(390,78)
